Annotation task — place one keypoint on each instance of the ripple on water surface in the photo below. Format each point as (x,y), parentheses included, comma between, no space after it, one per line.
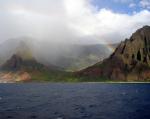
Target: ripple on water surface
(74,101)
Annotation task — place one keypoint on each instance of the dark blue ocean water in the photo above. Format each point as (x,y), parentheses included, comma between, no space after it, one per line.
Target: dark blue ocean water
(74,101)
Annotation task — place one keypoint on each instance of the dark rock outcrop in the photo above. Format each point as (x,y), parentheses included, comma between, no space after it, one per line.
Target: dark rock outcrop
(130,61)
(16,63)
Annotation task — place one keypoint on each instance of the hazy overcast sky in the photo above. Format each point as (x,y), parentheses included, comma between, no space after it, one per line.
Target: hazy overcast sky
(102,21)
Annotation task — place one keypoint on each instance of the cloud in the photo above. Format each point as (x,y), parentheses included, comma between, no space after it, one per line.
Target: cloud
(67,21)
(145,4)
(104,24)
(132,5)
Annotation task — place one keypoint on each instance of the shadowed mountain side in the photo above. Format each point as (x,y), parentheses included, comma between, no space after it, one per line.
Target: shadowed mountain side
(22,46)
(16,63)
(129,62)
(19,69)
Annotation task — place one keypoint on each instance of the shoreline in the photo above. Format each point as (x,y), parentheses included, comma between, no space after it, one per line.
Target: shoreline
(49,82)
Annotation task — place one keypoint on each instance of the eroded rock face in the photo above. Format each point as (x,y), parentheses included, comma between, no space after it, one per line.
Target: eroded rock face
(17,69)
(17,63)
(23,76)
(14,63)
(130,61)
(12,77)
(136,49)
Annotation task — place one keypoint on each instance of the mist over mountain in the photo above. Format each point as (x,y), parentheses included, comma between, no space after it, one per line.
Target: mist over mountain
(21,46)
(68,35)
(81,56)
(58,32)
(67,56)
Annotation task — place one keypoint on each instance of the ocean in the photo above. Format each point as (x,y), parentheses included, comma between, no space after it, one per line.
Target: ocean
(74,101)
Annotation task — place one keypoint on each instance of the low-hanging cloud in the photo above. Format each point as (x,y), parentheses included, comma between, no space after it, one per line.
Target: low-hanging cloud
(66,21)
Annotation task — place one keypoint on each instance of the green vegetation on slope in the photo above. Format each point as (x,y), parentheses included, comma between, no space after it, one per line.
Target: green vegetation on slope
(58,76)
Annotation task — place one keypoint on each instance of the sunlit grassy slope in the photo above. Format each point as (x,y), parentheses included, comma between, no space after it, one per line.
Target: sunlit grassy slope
(58,76)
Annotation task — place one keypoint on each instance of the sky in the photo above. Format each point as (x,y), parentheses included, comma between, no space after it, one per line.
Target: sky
(73,21)
(122,6)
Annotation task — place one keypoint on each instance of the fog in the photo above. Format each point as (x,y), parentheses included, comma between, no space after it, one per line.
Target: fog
(52,27)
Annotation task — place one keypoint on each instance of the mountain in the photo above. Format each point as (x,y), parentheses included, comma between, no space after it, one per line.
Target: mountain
(21,46)
(17,63)
(23,60)
(20,64)
(129,62)
(81,56)
(69,57)
(18,68)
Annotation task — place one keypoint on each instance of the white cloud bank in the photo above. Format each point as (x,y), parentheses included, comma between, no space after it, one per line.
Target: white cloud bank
(67,21)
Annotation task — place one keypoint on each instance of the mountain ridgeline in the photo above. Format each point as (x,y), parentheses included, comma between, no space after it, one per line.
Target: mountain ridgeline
(22,60)
(129,62)
(16,63)
(19,69)
(71,57)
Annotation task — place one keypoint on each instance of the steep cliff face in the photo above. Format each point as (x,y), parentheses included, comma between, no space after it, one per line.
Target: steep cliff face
(136,49)
(16,63)
(25,69)
(130,61)
(18,69)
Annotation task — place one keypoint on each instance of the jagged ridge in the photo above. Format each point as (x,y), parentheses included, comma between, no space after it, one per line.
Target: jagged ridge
(18,63)
(130,61)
